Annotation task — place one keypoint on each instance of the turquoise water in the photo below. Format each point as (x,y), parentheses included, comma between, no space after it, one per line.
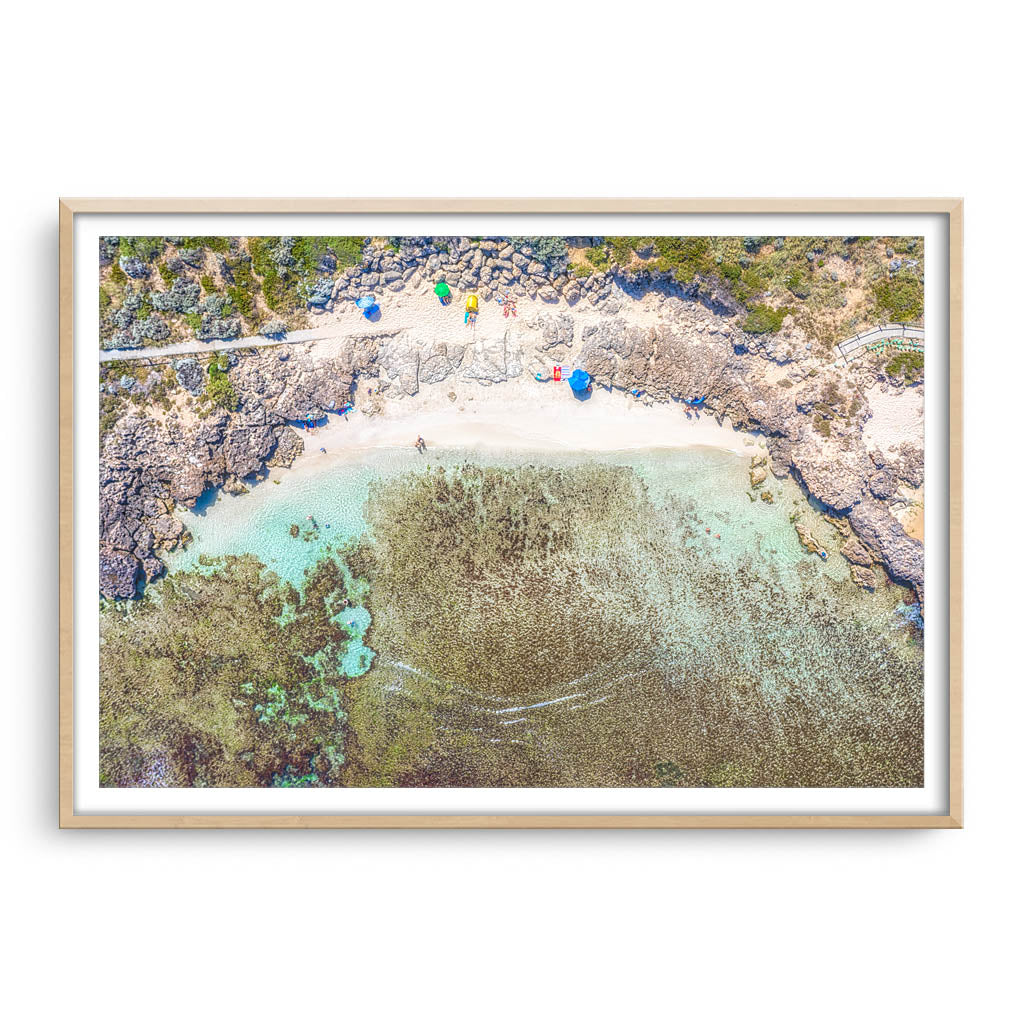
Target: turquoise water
(718,513)
(699,636)
(710,488)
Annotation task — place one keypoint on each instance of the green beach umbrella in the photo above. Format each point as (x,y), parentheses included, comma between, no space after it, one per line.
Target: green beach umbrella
(441,290)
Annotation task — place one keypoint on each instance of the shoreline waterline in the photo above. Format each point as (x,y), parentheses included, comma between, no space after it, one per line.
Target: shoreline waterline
(524,419)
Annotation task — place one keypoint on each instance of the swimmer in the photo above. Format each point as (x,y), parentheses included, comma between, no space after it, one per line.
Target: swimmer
(323,451)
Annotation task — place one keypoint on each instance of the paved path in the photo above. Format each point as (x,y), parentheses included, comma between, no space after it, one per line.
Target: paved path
(846,348)
(186,348)
(853,345)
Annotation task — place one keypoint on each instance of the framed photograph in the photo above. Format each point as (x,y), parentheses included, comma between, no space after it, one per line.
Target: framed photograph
(510,513)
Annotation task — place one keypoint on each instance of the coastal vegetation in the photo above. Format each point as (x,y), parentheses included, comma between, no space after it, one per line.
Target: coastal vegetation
(832,286)
(906,365)
(900,297)
(219,389)
(763,319)
(160,290)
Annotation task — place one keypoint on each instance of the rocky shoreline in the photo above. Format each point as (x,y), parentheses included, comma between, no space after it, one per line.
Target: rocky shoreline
(811,413)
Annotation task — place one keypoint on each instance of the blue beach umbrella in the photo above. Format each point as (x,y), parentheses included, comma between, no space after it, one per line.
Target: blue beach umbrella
(579,380)
(368,304)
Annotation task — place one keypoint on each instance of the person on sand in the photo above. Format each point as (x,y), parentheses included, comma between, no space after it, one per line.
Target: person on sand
(421,445)
(443,293)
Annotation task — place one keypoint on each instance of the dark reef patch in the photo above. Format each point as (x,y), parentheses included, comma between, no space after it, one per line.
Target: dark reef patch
(550,627)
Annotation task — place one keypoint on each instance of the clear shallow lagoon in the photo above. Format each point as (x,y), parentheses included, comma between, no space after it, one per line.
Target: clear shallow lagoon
(697,641)
(712,488)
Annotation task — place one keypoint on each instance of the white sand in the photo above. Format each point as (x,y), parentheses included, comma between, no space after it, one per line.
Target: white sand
(523,414)
(897,416)
(518,414)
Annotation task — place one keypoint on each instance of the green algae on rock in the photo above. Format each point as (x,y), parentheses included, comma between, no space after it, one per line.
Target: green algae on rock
(226,677)
(543,626)
(540,620)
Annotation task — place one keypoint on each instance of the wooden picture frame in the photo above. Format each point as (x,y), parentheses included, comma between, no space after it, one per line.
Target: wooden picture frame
(950,208)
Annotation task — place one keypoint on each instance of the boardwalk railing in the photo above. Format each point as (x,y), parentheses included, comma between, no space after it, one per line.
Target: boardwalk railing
(858,341)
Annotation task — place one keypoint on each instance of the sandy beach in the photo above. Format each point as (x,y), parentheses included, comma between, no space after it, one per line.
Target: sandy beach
(523,414)
(520,413)
(897,416)
(417,309)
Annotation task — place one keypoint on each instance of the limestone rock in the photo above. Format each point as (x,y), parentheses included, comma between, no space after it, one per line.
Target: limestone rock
(863,577)
(809,541)
(855,552)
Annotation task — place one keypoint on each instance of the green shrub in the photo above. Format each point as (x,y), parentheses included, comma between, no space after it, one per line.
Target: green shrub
(309,250)
(622,250)
(900,298)
(117,275)
(580,270)
(219,389)
(274,290)
(216,243)
(798,283)
(108,416)
(821,425)
(105,299)
(763,319)
(909,365)
(207,282)
(145,248)
(753,280)
(685,257)
(166,274)
(731,271)
(243,301)
(625,247)
(597,258)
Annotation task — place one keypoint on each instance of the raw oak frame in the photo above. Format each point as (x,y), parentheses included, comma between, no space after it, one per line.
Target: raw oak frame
(951,207)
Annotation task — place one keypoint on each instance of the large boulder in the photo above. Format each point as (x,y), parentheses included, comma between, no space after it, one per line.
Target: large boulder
(494,359)
(440,361)
(400,360)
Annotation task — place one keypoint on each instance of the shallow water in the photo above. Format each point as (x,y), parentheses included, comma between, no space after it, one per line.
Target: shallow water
(710,487)
(690,643)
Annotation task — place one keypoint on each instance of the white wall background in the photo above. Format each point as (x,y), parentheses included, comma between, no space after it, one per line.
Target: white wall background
(526,99)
